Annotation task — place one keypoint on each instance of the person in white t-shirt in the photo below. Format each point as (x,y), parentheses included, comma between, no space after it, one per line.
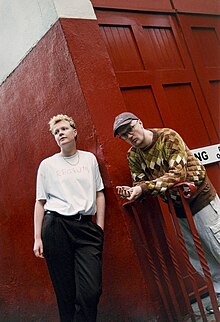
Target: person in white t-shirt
(69,195)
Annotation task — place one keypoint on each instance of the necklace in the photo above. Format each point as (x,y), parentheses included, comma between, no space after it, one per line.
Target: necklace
(75,156)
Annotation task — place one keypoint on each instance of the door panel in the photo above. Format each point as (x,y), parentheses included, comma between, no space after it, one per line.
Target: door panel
(122,48)
(151,114)
(178,115)
(160,45)
(203,41)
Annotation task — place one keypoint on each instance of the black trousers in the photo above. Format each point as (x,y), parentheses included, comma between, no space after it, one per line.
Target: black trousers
(73,252)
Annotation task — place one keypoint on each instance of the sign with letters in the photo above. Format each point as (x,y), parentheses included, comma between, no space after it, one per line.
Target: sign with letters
(208,154)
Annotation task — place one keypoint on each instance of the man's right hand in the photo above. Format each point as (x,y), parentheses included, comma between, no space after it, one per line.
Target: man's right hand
(38,248)
(129,193)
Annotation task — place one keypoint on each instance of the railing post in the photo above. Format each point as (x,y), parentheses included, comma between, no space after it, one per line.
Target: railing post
(150,259)
(186,194)
(165,277)
(174,237)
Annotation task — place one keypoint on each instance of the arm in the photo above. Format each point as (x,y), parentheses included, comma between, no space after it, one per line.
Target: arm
(38,220)
(100,206)
(165,165)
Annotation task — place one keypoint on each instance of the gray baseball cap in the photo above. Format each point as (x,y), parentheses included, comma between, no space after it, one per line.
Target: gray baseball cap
(123,119)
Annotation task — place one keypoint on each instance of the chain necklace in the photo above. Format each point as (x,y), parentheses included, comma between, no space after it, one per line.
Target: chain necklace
(76,156)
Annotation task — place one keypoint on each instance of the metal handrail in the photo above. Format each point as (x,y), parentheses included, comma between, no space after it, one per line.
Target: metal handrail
(186,194)
(174,235)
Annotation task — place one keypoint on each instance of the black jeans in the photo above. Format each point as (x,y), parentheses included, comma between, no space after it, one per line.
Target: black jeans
(73,252)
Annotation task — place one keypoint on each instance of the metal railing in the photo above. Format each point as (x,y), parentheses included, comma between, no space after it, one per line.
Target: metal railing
(186,194)
(176,243)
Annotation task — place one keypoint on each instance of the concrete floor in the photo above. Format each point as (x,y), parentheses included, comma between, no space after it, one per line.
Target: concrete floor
(210,317)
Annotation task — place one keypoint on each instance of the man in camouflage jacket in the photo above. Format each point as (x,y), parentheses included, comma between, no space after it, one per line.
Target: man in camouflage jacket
(159,159)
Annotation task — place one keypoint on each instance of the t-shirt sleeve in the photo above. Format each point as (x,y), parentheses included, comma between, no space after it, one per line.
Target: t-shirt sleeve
(41,183)
(98,178)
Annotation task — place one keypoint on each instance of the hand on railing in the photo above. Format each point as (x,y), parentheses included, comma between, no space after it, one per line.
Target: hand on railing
(188,188)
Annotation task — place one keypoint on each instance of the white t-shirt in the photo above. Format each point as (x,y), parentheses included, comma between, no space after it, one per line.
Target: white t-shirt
(69,185)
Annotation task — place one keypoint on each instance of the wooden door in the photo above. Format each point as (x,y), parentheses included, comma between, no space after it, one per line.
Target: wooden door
(202,35)
(156,75)
(164,74)
(154,65)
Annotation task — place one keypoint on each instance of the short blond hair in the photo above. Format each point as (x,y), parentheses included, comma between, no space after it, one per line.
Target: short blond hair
(61,117)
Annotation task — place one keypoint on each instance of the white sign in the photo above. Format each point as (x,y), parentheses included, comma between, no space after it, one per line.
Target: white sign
(208,154)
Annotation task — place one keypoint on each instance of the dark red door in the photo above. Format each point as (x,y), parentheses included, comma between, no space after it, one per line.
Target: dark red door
(202,38)
(159,81)
(155,74)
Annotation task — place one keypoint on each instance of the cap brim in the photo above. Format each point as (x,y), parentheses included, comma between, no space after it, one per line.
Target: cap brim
(122,124)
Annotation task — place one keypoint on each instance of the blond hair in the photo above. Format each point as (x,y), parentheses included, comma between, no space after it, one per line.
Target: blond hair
(61,117)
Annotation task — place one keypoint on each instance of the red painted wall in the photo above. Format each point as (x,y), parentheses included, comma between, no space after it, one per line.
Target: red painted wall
(44,84)
(69,71)
(101,91)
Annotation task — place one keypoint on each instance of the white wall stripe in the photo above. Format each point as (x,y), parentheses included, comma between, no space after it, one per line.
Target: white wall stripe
(75,9)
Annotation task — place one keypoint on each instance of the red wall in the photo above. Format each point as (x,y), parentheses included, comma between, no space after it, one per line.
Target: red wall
(44,84)
(69,71)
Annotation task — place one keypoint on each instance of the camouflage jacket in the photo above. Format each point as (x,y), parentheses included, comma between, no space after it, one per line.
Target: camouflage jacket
(164,163)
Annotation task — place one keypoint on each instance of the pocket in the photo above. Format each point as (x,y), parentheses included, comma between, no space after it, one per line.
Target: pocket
(216,231)
(215,203)
(98,227)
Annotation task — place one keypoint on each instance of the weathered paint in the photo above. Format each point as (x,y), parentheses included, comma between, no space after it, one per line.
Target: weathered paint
(44,84)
